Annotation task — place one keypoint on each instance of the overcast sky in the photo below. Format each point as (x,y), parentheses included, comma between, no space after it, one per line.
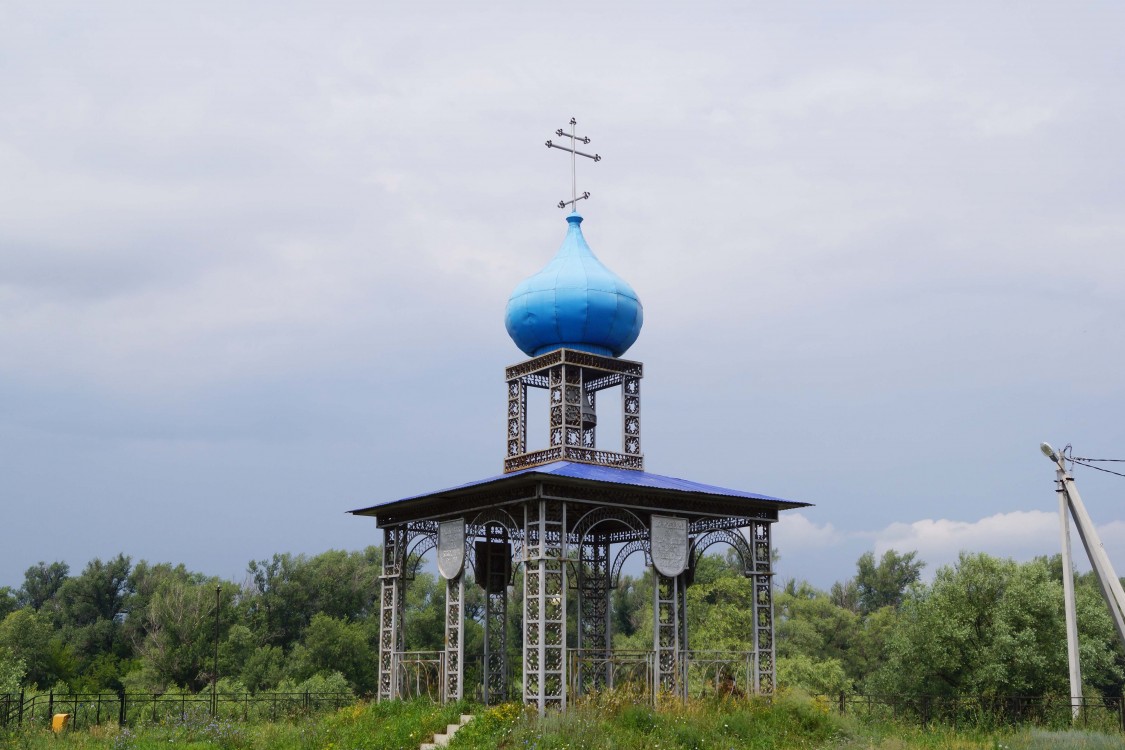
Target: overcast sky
(254,259)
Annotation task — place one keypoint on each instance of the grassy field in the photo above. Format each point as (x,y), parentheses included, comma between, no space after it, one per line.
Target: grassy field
(610,723)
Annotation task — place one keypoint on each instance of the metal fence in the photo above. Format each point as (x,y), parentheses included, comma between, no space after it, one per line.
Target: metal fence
(698,673)
(985,712)
(89,709)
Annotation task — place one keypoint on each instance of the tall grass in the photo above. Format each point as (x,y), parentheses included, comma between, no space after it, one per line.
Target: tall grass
(376,726)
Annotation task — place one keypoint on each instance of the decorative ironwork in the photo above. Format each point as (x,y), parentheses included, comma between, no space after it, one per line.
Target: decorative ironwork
(593,613)
(544,602)
(669,634)
(606,365)
(453,668)
(724,536)
(627,551)
(390,611)
(525,519)
(765,674)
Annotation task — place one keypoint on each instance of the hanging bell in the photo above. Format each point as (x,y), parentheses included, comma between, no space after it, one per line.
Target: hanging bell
(589,416)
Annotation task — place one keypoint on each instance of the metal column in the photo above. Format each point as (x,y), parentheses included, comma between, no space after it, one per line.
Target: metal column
(390,612)
(667,634)
(454,639)
(765,675)
(593,615)
(544,605)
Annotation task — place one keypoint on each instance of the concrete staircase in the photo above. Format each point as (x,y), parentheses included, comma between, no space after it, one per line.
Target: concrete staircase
(441,740)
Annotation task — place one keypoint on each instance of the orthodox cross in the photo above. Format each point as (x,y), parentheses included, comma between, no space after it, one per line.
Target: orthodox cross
(573,149)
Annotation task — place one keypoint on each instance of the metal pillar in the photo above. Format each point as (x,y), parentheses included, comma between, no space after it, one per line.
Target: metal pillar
(765,675)
(454,639)
(390,612)
(668,632)
(517,417)
(544,605)
(593,615)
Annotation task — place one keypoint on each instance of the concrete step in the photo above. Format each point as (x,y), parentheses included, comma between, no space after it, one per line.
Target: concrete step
(441,740)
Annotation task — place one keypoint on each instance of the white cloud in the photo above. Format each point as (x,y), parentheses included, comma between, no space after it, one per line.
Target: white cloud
(1021,535)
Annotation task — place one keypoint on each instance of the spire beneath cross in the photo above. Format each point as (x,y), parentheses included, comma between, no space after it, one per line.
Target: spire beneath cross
(573,149)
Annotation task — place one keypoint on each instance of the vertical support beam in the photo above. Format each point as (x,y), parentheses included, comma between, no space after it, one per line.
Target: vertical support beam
(765,675)
(517,417)
(572,406)
(454,639)
(631,415)
(390,612)
(684,647)
(666,632)
(593,615)
(544,605)
(555,438)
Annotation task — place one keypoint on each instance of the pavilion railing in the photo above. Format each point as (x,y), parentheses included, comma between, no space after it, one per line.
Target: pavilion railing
(419,674)
(705,672)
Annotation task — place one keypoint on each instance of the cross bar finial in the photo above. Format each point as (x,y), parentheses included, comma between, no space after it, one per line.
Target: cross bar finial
(573,149)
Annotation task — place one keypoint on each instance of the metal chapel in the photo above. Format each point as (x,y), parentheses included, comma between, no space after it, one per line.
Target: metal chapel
(569,515)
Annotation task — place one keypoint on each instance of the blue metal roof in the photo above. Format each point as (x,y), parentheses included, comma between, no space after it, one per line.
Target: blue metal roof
(574,302)
(608,475)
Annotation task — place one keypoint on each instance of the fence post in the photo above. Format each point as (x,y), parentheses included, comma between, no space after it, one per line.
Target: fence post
(306,702)
(1121,711)
(21,707)
(121,712)
(50,706)
(843,703)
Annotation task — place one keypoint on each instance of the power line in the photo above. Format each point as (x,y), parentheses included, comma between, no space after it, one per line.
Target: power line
(1082,462)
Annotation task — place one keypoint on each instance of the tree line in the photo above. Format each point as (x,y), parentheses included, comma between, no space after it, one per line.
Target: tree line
(982,626)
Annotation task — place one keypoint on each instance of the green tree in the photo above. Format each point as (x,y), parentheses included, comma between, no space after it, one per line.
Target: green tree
(40,583)
(985,627)
(884,584)
(27,636)
(12,670)
(178,644)
(288,590)
(332,645)
(8,601)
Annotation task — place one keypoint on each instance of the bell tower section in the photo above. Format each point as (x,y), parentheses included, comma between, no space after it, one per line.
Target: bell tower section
(574,380)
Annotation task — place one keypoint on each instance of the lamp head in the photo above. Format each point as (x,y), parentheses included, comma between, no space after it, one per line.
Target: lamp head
(1049,452)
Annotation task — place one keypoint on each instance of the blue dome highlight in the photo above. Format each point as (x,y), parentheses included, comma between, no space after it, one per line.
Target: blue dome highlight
(575,302)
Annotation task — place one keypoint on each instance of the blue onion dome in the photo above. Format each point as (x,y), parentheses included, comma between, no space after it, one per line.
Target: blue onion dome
(574,303)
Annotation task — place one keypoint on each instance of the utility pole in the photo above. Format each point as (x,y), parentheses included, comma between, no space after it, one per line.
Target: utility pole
(1070,504)
(215,663)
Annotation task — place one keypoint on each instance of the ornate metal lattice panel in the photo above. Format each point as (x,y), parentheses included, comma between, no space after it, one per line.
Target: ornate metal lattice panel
(669,636)
(390,611)
(593,614)
(517,418)
(623,554)
(631,415)
(764,648)
(544,602)
(454,638)
(724,536)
